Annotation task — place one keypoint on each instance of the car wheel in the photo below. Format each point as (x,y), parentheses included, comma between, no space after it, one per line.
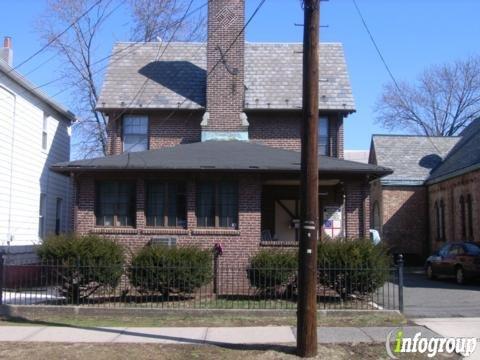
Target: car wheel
(460,276)
(430,274)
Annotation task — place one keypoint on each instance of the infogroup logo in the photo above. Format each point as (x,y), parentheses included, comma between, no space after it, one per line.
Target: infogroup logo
(397,343)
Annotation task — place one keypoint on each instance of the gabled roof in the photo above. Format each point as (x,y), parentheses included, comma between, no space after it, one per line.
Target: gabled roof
(273,77)
(216,156)
(7,71)
(412,158)
(462,158)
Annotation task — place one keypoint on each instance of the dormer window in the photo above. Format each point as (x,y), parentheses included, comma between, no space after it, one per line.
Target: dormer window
(135,133)
(323,136)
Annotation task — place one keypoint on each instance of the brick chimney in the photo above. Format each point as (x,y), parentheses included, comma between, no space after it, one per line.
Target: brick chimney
(6,53)
(224,118)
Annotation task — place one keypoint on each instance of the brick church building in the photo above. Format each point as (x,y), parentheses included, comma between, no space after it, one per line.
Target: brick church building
(204,145)
(433,194)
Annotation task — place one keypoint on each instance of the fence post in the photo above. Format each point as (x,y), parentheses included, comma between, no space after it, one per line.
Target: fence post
(2,253)
(400,282)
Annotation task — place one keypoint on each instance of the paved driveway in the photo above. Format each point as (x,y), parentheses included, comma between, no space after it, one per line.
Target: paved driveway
(440,298)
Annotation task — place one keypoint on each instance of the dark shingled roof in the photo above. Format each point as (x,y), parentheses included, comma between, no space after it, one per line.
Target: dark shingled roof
(216,156)
(463,158)
(412,158)
(273,77)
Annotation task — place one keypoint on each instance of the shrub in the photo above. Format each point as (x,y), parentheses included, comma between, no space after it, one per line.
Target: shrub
(83,264)
(353,266)
(170,269)
(271,269)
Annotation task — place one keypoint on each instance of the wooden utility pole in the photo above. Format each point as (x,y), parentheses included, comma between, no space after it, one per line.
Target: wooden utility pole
(307,268)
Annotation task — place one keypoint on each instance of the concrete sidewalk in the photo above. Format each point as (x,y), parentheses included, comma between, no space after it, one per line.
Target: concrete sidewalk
(454,327)
(199,335)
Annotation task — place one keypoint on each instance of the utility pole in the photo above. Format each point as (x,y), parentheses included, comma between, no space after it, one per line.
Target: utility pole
(307,268)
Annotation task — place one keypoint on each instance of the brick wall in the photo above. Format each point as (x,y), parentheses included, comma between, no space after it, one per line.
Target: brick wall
(357,209)
(238,245)
(403,211)
(283,130)
(450,192)
(279,129)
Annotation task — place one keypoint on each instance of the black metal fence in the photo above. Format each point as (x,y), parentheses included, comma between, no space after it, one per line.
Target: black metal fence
(223,286)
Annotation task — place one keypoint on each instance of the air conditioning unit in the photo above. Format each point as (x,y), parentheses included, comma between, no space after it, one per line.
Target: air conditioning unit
(163,241)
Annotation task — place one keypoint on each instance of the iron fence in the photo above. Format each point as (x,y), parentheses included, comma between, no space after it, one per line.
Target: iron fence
(223,286)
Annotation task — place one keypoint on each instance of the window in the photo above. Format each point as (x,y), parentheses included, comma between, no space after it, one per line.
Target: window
(166,204)
(217,204)
(470,216)
(463,217)
(442,220)
(115,204)
(437,221)
(45,132)
(471,249)
(323,136)
(444,250)
(58,216)
(376,216)
(41,215)
(135,133)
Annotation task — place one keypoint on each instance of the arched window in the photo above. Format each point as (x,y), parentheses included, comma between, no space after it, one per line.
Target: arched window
(463,218)
(470,217)
(442,220)
(376,216)
(437,221)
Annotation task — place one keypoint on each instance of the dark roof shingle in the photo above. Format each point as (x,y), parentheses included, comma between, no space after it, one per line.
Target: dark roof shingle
(463,157)
(216,156)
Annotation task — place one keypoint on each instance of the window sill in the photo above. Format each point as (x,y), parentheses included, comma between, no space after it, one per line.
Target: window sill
(215,231)
(114,230)
(164,231)
(279,243)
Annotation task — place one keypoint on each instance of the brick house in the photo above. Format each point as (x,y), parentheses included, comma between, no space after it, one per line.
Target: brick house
(430,177)
(204,144)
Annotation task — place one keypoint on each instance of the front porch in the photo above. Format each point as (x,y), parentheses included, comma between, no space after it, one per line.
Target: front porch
(237,194)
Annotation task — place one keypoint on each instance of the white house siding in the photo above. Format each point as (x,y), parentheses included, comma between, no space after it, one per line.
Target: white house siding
(24,172)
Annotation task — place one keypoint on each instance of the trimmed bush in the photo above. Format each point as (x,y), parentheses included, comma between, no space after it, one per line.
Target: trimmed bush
(346,266)
(271,269)
(170,269)
(353,266)
(82,264)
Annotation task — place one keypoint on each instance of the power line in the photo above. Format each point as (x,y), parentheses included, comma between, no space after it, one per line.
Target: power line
(55,38)
(130,46)
(261,3)
(376,46)
(390,73)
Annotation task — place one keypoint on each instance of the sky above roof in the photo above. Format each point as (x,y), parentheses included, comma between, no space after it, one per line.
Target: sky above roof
(412,34)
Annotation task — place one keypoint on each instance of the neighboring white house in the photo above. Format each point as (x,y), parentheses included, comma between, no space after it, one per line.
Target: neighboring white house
(34,134)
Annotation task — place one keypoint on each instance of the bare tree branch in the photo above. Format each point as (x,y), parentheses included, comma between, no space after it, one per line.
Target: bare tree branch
(442,102)
(153,20)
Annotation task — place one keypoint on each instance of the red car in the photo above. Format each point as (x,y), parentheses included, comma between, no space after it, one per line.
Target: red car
(459,260)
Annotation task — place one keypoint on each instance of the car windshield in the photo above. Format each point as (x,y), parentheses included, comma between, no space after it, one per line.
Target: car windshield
(472,249)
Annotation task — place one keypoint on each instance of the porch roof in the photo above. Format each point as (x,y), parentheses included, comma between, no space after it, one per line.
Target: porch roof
(215,156)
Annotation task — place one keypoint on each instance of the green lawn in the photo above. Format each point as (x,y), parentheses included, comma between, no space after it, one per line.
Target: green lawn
(205,319)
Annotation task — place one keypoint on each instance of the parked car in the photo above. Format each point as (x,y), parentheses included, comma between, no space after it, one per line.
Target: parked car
(460,260)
